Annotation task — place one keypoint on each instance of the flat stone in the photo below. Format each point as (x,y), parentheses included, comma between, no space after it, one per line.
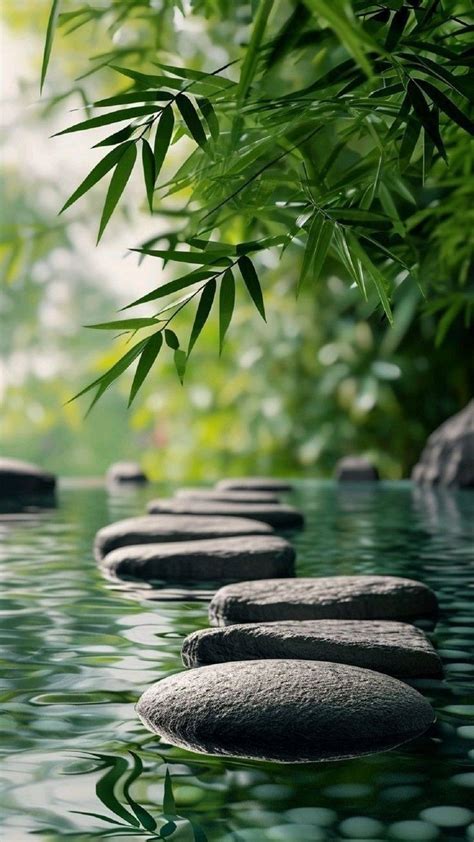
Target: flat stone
(23,479)
(277,515)
(389,647)
(126,472)
(356,469)
(448,458)
(325,598)
(282,710)
(247,556)
(254,484)
(226,496)
(153,529)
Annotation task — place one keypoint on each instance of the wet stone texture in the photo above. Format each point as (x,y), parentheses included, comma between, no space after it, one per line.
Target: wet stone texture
(356,469)
(282,710)
(213,494)
(126,472)
(23,479)
(278,516)
(388,647)
(331,598)
(152,529)
(219,558)
(448,458)
(254,484)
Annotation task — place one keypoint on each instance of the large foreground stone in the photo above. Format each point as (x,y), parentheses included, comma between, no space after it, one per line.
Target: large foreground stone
(253,484)
(448,458)
(290,711)
(278,516)
(356,469)
(23,479)
(160,528)
(248,557)
(226,496)
(389,647)
(326,598)
(126,472)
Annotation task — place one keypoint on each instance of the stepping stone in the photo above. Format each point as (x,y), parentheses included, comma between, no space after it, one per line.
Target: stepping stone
(325,598)
(226,496)
(248,556)
(126,472)
(23,479)
(278,516)
(356,469)
(253,484)
(165,528)
(389,647)
(282,710)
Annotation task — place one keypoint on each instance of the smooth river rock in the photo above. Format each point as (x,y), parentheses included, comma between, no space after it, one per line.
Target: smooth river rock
(282,710)
(325,598)
(153,529)
(226,496)
(126,472)
(254,484)
(448,458)
(356,469)
(389,647)
(23,479)
(247,556)
(278,516)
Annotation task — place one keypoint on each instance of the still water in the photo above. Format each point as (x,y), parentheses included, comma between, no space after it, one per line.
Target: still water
(78,650)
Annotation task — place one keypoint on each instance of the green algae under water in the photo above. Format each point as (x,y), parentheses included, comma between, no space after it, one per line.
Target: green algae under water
(78,649)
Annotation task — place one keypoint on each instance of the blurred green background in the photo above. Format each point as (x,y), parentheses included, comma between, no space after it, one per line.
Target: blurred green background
(327,376)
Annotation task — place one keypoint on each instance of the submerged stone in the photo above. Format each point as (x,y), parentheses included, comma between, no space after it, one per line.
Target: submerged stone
(250,556)
(126,472)
(254,484)
(23,479)
(448,458)
(356,469)
(275,514)
(226,496)
(389,647)
(153,529)
(283,710)
(325,598)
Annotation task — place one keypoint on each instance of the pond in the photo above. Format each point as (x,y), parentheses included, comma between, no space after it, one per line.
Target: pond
(78,650)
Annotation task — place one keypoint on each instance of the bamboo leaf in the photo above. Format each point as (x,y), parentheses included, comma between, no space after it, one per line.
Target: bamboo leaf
(111,117)
(427,117)
(185,256)
(50,31)
(148,162)
(117,185)
(169,805)
(172,340)
(447,106)
(144,817)
(147,80)
(190,117)
(226,305)
(374,274)
(409,141)
(180,360)
(105,790)
(164,132)
(322,248)
(346,29)
(210,116)
(124,324)
(397,26)
(134,96)
(115,371)
(311,245)
(147,358)
(117,137)
(252,283)
(204,308)
(172,286)
(102,168)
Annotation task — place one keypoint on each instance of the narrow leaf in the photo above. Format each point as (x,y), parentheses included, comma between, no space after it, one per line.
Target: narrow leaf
(169,806)
(322,248)
(180,359)
(426,116)
(375,275)
(124,324)
(117,184)
(172,286)
(102,168)
(148,162)
(111,117)
(447,106)
(210,116)
(50,30)
(134,96)
(204,308)
(185,256)
(190,117)
(252,283)
(115,371)
(171,339)
(397,26)
(409,141)
(147,358)
(117,137)
(311,245)
(148,80)
(163,136)
(226,305)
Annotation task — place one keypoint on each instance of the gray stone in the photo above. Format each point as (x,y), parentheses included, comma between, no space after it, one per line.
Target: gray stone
(278,516)
(153,529)
(247,556)
(389,647)
(254,484)
(23,479)
(226,496)
(282,710)
(448,458)
(325,598)
(126,472)
(356,469)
